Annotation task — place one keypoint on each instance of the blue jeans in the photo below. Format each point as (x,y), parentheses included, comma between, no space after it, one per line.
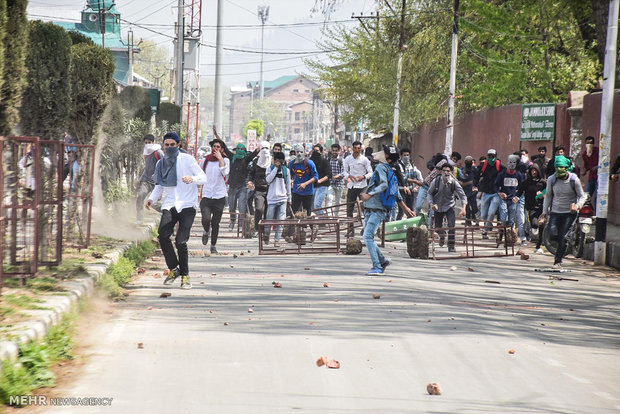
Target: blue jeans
(237,196)
(373,221)
(521,217)
(276,211)
(421,198)
(488,209)
(591,189)
(319,197)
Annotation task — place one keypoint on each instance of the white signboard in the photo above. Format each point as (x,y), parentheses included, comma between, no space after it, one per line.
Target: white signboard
(251,140)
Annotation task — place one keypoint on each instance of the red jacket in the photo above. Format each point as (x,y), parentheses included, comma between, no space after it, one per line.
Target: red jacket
(591,163)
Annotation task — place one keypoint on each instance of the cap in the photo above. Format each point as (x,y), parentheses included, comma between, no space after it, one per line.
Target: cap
(491,152)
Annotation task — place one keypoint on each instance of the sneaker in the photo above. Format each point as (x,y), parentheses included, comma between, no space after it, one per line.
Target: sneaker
(442,241)
(185,283)
(485,236)
(375,272)
(523,243)
(205,238)
(385,264)
(266,238)
(213,249)
(172,275)
(451,249)
(539,251)
(255,234)
(557,266)
(231,227)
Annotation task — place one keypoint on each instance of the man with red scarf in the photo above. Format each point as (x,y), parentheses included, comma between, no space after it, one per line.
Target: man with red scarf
(216,166)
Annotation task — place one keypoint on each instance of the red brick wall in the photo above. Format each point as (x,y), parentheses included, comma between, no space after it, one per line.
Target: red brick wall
(591,125)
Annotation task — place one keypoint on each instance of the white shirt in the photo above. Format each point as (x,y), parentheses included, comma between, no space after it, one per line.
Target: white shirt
(182,195)
(216,178)
(356,167)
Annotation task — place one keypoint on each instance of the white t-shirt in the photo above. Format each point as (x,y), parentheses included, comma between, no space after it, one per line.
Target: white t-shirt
(182,195)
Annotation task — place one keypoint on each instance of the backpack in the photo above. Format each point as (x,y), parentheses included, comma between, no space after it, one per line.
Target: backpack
(156,154)
(435,187)
(484,166)
(390,194)
(553,179)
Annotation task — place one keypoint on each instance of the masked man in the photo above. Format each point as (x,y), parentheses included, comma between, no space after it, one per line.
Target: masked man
(257,182)
(179,174)
(564,198)
(489,169)
(590,167)
(304,174)
(468,178)
(441,194)
(507,182)
(152,153)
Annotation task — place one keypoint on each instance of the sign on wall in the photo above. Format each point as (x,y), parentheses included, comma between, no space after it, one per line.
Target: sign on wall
(537,122)
(251,139)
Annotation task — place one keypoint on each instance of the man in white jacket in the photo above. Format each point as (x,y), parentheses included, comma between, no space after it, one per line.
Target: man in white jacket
(179,175)
(279,194)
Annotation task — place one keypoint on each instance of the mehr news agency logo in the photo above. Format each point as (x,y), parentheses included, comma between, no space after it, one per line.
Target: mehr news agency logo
(42,400)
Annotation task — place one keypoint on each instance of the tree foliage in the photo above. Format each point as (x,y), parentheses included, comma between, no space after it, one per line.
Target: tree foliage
(2,37)
(168,112)
(256,124)
(15,41)
(509,52)
(92,82)
(136,103)
(77,37)
(46,99)
(153,62)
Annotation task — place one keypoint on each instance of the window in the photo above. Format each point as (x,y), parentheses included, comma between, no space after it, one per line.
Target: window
(297,130)
(296,116)
(307,91)
(295,90)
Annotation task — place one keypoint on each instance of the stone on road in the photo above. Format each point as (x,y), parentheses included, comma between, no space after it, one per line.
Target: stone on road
(203,351)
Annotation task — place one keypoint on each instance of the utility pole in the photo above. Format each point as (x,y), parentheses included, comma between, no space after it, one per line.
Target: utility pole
(455,43)
(102,11)
(130,55)
(179,55)
(401,48)
(263,15)
(607,106)
(217,100)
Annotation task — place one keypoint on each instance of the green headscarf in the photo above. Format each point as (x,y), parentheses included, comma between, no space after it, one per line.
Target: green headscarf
(240,152)
(562,166)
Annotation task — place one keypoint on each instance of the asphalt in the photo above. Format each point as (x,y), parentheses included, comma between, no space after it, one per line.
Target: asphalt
(236,344)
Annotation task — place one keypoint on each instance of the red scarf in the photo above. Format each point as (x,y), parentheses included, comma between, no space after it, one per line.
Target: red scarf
(211,158)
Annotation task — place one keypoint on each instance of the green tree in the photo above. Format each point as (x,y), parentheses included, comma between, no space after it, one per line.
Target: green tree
(46,99)
(136,103)
(168,112)
(270,112)
(77,37)
(15,41)
(153,62)
(2,39)
(92,83)
(256,124)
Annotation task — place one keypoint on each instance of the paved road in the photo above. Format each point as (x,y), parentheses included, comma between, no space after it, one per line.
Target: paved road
(204,352)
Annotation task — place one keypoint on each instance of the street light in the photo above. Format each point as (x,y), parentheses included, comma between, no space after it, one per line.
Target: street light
(263,15)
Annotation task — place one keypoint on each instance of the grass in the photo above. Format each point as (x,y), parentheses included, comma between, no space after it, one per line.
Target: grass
(22,301)
(31,370)
(119,274)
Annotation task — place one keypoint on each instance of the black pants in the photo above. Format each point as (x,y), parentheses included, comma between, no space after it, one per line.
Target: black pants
(211,210)
(300,202)
(169,218)
(451,219)
(559,224)
(352,195)
(471,209)
(260,207)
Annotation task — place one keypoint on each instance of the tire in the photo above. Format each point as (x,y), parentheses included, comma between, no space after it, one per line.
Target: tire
(575,244)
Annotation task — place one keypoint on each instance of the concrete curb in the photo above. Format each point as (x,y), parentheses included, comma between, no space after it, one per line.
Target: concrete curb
(43,320)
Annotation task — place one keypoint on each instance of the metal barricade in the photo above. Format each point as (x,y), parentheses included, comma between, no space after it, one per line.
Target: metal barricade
(20,197)
(307,236)
(79,195)
(470,242)
(50,213)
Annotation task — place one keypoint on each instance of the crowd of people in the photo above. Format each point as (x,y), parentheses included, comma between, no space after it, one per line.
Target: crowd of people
(524,193)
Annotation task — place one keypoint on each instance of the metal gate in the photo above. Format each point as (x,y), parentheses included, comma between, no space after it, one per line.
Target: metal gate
(79,195)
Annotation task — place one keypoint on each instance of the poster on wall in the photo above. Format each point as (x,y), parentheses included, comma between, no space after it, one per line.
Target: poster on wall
(537,122)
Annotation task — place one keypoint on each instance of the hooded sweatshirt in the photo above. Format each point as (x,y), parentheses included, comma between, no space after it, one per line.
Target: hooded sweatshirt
(530,187)
(279,181)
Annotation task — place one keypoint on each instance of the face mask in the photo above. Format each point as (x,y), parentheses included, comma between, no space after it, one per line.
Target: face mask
(445,176)
(299,158)
(589,148)
(512,163)
(172,151)
(406,159)
(491,160)
(561,172)
(524,158)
